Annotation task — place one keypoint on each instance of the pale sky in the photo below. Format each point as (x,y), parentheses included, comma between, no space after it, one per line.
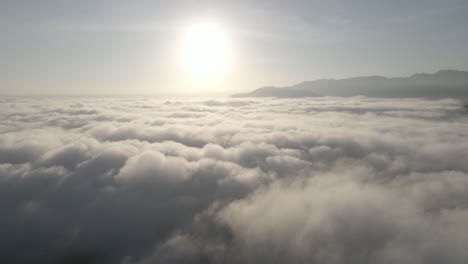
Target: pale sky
(129,47)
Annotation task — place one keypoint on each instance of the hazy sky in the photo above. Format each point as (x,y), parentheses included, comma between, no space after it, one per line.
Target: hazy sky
(132,46)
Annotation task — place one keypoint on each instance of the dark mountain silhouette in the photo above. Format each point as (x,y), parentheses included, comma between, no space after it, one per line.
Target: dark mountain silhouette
(444,83)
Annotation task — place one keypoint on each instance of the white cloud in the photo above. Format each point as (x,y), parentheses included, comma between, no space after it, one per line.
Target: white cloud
(171,180)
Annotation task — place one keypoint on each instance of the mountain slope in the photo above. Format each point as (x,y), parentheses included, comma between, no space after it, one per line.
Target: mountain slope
(444,83)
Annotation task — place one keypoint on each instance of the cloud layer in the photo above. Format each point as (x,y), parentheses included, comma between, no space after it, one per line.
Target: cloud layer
(195,180)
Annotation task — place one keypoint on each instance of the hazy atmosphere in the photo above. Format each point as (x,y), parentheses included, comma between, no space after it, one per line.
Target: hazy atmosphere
(129,47)
(180,132)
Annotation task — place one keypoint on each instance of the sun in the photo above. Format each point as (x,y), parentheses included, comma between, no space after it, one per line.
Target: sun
(204,51)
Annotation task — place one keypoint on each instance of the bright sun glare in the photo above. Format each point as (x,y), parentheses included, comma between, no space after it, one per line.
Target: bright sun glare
(204,51)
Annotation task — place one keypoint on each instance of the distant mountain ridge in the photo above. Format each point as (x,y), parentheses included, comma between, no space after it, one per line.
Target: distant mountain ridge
(444,83)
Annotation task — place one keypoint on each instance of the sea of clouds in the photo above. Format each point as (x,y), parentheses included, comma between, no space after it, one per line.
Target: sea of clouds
(224,180)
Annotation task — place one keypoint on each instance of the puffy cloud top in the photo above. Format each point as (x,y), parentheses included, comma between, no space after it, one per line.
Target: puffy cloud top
(210,180)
